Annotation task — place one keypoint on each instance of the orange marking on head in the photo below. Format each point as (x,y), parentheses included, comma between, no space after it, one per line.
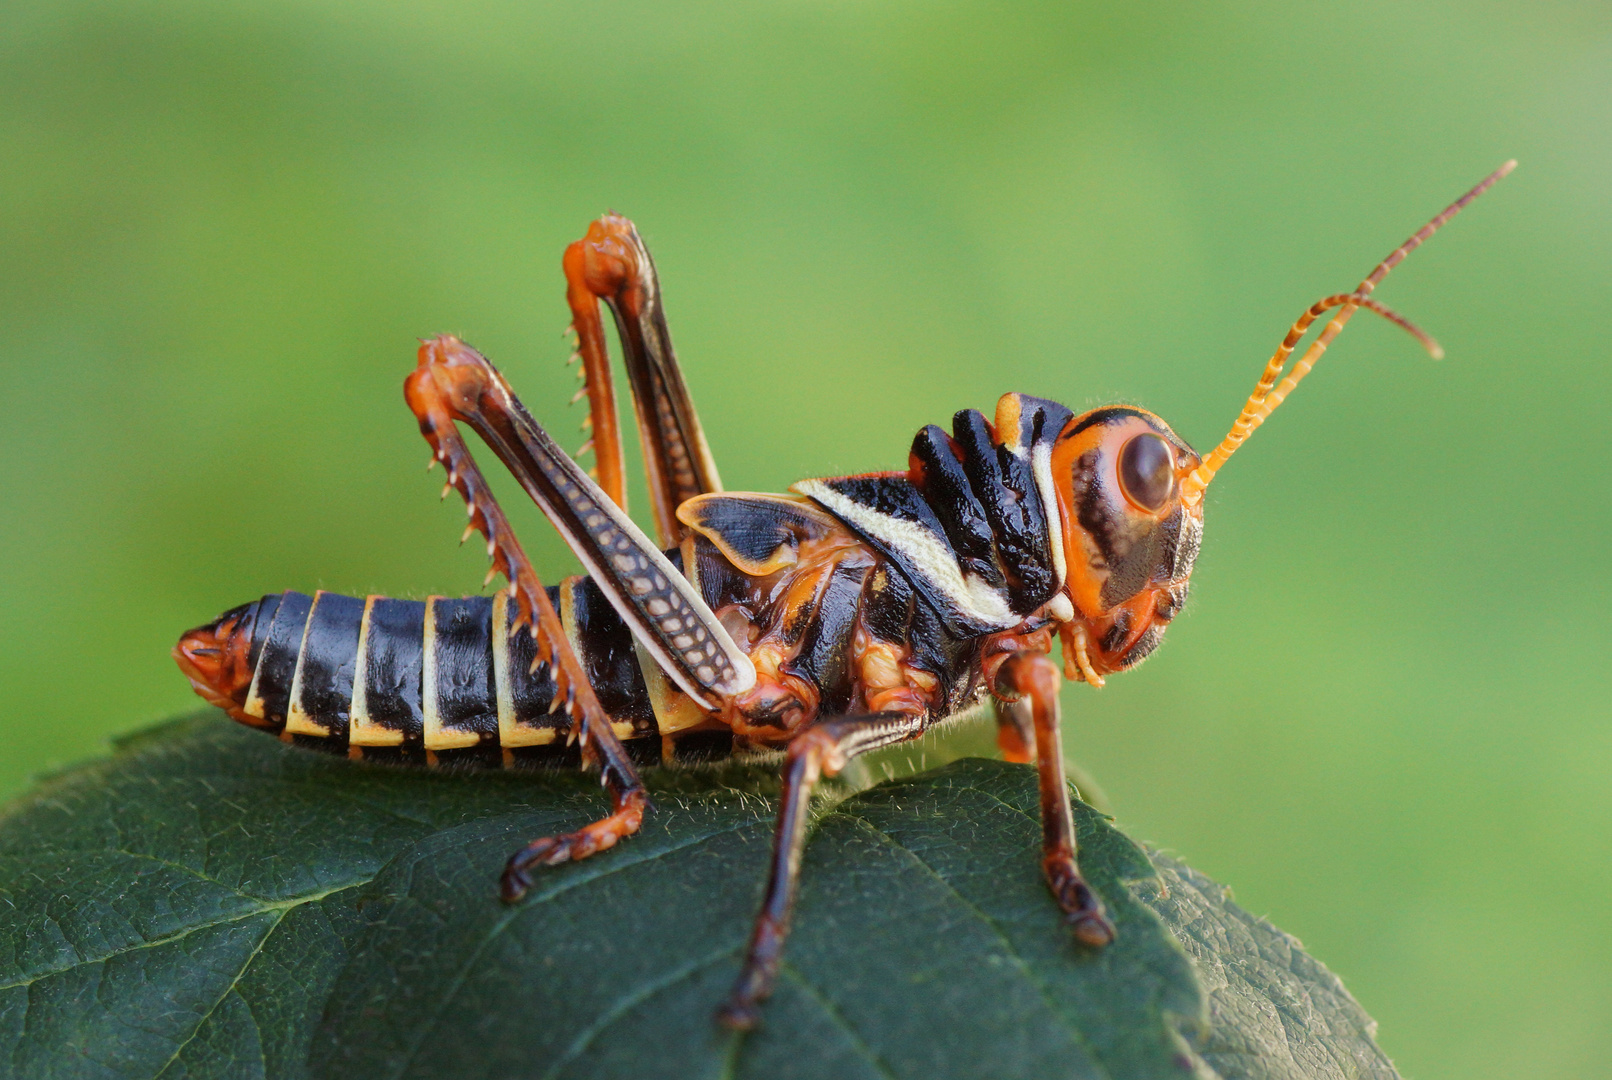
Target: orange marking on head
(1128,557)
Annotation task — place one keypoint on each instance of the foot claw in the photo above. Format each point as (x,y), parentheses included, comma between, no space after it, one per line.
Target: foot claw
(1092,929)
(513,885)
(738,1016)
(550,851)
(590,840)
(1082,908)
(557,849)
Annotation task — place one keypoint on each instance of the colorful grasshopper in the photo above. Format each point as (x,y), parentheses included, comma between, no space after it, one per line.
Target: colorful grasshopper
(856,612)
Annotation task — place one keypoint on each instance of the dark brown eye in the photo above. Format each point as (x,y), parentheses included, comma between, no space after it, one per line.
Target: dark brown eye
(1147,471)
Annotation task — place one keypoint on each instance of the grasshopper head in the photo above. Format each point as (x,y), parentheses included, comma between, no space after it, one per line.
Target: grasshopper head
(1130,493)
(1130,537)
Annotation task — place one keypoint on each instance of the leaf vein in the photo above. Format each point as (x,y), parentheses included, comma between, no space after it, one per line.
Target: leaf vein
(1007,944)
(621,1005)
(833,1013)
(281,906)
(508,917)
(228,990)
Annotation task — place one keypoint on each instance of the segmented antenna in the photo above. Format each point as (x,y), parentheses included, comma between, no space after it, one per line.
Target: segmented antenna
(1268,394)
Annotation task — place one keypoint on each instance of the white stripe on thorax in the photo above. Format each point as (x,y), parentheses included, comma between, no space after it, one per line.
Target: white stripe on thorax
(1041,468)
(929,555)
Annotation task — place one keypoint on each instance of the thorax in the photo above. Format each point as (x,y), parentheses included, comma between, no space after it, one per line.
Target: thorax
(831,625)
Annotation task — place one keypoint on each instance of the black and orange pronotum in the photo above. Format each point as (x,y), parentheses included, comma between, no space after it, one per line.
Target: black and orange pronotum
(852,613)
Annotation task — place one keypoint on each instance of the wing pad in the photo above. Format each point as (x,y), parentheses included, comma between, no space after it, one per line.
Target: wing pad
(759,534)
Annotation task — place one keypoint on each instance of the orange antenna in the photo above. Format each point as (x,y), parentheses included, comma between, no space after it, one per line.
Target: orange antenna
(1268,394)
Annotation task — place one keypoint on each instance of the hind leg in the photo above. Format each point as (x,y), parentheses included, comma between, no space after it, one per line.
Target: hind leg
(612,264)
(452,384)
(628,799)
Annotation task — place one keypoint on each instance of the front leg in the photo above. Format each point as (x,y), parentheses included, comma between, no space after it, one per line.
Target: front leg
(819,751)
(1033,677)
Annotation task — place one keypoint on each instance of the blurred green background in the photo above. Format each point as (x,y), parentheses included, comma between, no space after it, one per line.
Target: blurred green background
(1383,719)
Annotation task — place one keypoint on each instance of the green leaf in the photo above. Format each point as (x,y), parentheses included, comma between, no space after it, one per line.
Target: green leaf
(209,903)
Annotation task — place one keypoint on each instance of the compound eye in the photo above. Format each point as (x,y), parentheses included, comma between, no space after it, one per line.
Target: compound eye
(1147,471)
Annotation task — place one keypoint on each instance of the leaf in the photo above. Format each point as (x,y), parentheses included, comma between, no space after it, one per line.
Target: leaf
(209,903)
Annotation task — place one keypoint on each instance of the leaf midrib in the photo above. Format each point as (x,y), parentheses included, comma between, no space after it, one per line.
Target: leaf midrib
(281,906)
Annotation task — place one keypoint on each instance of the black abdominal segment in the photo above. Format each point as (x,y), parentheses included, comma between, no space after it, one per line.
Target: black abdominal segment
(442,680)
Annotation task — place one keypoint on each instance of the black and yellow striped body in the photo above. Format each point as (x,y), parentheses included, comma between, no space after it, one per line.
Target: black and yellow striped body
(441,680)
(446,681)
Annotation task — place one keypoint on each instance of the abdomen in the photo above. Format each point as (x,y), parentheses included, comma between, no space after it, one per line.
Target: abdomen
(435,681)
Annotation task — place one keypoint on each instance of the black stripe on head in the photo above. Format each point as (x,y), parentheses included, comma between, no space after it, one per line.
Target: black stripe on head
(1134,549)
(1112,413)
(1092,509)
(1107,416)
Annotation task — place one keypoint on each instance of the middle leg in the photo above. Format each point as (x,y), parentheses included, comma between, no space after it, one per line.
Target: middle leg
(1015,730)
(819,751)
